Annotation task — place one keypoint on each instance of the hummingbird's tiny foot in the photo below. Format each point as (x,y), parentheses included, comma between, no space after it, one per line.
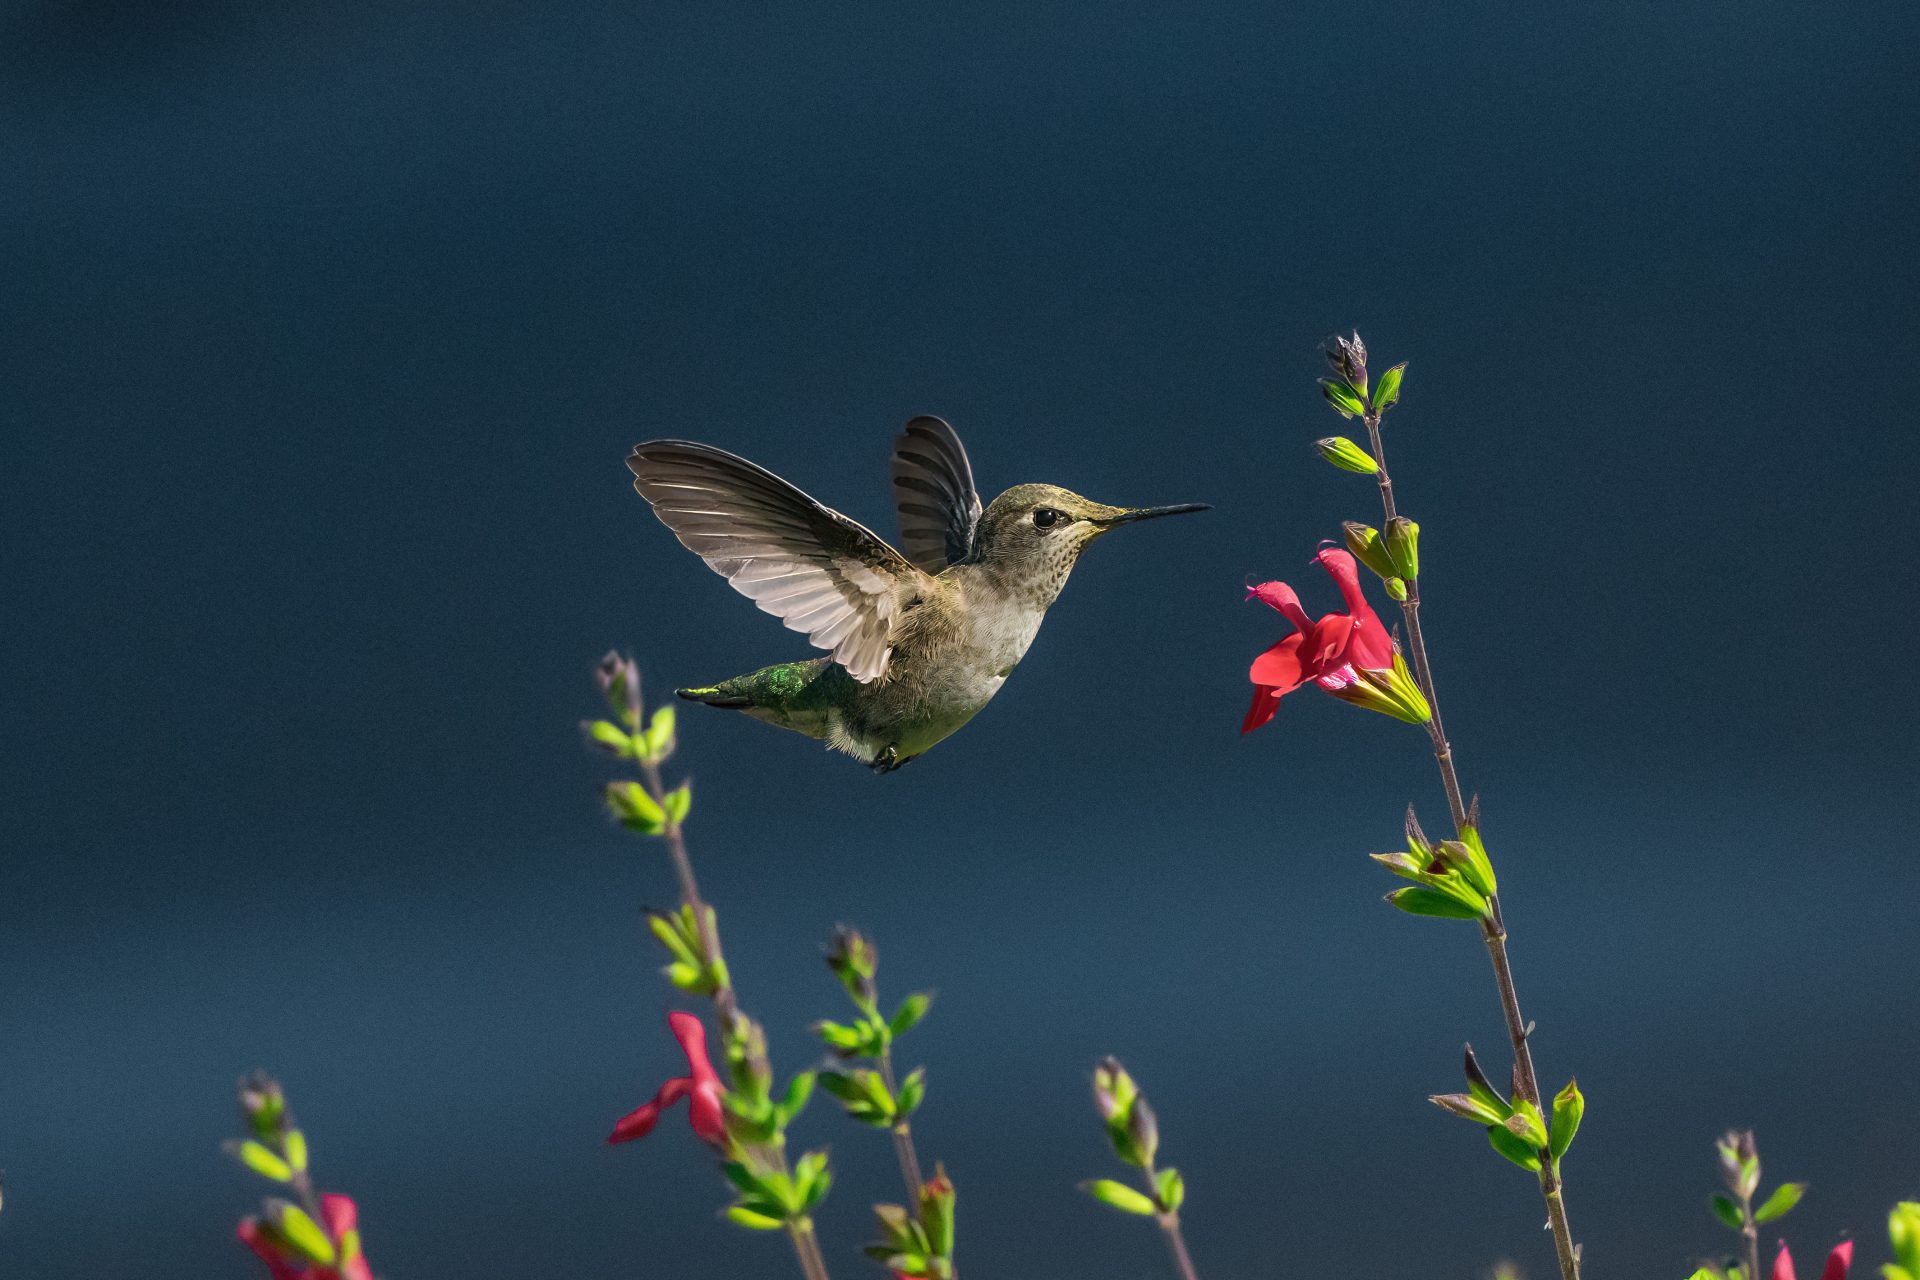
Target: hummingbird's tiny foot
(887,761)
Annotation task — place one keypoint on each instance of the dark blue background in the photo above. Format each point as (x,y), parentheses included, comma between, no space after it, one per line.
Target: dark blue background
(327,328)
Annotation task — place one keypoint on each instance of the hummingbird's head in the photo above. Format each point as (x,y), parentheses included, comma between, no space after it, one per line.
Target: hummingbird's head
(1034,533)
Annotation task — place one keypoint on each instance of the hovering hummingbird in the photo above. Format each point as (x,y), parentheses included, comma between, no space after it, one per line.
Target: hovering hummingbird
(919,642)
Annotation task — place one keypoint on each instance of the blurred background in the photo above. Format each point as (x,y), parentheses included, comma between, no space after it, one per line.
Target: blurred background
(327,328)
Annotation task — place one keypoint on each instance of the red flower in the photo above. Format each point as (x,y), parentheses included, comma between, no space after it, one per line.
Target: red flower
(342,1220)
(1837,1262)
(700,1084)
(1350,655)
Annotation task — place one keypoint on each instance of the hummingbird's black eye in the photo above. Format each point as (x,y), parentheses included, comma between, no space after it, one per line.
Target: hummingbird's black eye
(1045,518)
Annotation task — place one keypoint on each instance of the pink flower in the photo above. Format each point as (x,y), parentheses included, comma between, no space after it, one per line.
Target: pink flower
(701,1085)
(342,1220)
(1346,654)
(1837,1262)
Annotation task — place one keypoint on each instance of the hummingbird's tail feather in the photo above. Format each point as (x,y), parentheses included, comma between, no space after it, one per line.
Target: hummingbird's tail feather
(793,695)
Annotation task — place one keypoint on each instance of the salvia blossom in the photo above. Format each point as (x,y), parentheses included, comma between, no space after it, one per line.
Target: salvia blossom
(1349,655)
(285,1262)
(1837,1263)
(700,1086)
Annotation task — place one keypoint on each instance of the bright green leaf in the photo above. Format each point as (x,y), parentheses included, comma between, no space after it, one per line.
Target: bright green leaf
(1568,1107)
(1781,1202)
(1386,393)
(1418,900)
(1343,398)
(262,1161)
(1729,1212)
(908,1015)
(1172,1188)
(679,802)
(1119,1195)
(741,1216)
(302,1232)
(1514,1149)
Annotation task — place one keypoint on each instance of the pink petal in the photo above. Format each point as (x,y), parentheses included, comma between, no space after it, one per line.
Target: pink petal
(1783,1264)
(1326,650)
(692,1036)
(1281,598)
(1280,668)
(1838,1261)
(1265,703)
(708,1116)
(639,1122)
(278,1267)
(341,1213)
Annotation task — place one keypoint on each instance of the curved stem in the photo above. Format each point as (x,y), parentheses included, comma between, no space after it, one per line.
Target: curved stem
(1494,929)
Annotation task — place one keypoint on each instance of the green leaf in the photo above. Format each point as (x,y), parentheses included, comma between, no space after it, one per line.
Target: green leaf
(1781,1202)
(1421,901)
(913,1091)
(1469,1107)
(1387,392)
(262,1161)
(741,1216)
(660,732)
(678,802)
(302,1232)
(635,809)
(908,1015)
(1568,1107)
(745,1179)
(1482,1088)
(1343,398)
(1173,1189)
(1514,1149)
(608,736)
(1728,1212)
(1478,867)
(798,1091)
(1527,1124)
(1346,455)
(1119,1195)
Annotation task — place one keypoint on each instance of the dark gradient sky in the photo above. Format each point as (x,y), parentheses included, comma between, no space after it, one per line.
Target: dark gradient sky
(327,328)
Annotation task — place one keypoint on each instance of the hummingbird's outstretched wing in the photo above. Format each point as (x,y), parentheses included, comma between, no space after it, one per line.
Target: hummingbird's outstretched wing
(934,494)
(817,571)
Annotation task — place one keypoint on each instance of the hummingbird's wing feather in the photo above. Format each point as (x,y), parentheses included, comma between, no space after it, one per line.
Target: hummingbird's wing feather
(934,494)
(817,571)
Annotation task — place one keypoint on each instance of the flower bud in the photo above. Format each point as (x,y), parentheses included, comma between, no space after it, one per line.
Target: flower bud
(936,1212)
(1143,1135)
(1346,455)
(1397,590)
(620,684)
(854,960)
(1403,547)
(1740,1162)
(263,1104)
(1347,357)
(1364,541)
(1113,1091)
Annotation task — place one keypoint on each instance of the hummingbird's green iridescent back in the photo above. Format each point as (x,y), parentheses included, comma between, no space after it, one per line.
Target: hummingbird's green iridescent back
(918,642)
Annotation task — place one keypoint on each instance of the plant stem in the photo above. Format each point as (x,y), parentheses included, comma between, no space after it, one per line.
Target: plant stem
(902,1135)
(726,1006)
(1751,1231)
(806,1247)
(1169,1220)
(1494,929)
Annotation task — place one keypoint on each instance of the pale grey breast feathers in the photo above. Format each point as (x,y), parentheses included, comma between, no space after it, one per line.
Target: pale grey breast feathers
(933,492)
(822,574)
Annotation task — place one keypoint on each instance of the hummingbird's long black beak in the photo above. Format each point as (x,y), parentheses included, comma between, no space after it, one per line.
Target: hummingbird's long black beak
(1149,513)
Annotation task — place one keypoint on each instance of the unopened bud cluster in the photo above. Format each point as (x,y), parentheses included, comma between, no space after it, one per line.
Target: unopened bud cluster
(1515,1127)
(1740,1172)
(1453,879)
(632,736)
(864,1091)
(1135,1134)
(316,1239)
(918,1243)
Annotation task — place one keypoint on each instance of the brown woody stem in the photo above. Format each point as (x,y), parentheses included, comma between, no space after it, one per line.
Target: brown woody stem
(1493,929)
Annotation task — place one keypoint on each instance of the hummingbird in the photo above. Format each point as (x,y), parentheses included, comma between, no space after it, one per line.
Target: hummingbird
(918,640)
